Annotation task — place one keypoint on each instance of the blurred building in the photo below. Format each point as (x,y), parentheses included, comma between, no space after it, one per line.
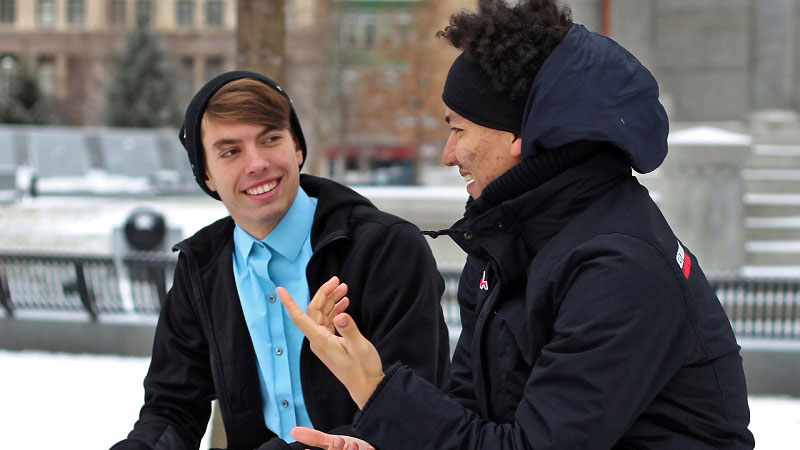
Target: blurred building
(366,75)
(70,44)
(382,87)
(715,60)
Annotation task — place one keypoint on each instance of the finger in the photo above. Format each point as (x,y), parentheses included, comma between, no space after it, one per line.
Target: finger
(339,308)
(306,324)
(334,297)
(322,293)
(312,437)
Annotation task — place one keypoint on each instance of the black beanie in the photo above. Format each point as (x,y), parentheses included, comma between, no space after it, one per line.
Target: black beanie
(468,92)
(189,134)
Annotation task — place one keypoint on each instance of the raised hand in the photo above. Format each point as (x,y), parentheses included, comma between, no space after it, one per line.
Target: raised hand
(350,356)
(328,302)
(327,441)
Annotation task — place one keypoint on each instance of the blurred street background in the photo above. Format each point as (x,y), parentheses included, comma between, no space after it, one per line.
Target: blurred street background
(95,187)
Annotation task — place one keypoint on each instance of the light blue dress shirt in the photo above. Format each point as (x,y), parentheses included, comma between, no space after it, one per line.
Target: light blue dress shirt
(259,266)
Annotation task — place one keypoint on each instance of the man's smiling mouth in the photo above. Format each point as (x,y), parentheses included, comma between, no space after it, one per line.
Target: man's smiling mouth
(266,187)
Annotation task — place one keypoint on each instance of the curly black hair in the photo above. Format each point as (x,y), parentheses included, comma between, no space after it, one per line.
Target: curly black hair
(510,43)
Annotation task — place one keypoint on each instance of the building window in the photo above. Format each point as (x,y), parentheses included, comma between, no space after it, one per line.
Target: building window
(144,12)
(185,12)
(116,12)
(75,12)
(46,74)
(46,13)
(213,67)
(360,31)
(213,13)
(7,11)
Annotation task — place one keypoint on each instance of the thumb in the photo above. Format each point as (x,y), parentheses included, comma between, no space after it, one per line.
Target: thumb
(347,327)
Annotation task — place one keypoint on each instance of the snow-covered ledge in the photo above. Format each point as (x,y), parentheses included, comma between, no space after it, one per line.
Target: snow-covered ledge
(702,194)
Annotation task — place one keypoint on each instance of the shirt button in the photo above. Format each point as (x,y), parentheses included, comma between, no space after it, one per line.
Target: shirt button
(278,351)
(285,403)
(468,236)
(272,299)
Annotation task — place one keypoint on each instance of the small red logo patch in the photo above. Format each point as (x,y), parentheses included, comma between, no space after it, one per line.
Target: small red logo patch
(687,266)
(484,284)
(684,261)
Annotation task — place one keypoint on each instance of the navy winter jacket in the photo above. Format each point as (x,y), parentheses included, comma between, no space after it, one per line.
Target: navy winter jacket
(587,324)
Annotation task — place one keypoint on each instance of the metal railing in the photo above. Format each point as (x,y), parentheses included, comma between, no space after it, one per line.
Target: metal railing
(138,283)
(97,285)
(761,308)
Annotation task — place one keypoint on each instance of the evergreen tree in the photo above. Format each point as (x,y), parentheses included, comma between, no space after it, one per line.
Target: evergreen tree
(142,91)
(22,100)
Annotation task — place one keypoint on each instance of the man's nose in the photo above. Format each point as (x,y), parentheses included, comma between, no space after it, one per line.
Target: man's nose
(256,160)
(449,154)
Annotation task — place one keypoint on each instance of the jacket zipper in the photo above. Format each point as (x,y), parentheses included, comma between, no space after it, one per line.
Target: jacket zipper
(303,347)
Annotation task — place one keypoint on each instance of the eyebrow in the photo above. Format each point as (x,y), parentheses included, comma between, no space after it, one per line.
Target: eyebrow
(223,142)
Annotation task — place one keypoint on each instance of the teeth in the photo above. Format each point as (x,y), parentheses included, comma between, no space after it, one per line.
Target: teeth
(468,178)
(263,188)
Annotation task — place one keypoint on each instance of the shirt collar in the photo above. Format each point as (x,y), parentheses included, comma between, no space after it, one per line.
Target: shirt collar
(288,237)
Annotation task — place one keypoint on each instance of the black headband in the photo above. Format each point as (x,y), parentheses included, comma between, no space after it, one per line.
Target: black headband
(189,134)
(469,93)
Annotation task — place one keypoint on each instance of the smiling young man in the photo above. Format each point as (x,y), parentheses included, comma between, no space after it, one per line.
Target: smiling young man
(222,335)
(586,323)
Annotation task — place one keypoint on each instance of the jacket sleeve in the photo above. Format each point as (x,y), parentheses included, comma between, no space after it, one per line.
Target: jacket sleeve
(401,313)
(178,386)
(461,382)
(618,337)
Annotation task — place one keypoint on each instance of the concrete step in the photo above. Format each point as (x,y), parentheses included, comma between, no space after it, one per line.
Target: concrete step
(772,253)
(777,181)
(772,228)
(771,204)
(772,234)
(774,157)
(769,271)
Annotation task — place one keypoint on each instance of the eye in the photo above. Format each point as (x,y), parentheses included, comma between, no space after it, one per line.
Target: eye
(271,139)
(228,152)
(455,130)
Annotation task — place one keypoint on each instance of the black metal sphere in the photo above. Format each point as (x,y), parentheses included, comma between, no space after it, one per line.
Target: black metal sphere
(145,229)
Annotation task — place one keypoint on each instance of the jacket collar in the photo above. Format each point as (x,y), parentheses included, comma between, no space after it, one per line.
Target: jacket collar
(331,221)
(513,232)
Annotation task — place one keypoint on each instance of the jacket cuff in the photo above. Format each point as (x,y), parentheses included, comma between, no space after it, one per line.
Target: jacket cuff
(402,405)
(386,376)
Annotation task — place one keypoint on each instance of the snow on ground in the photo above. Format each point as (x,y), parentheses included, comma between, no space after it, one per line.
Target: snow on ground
(90,402)
(85,402)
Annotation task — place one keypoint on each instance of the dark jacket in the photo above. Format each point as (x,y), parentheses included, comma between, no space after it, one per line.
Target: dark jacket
(202,347)
(587,324)
(587,334)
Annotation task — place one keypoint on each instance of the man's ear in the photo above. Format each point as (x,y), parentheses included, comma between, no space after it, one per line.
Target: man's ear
(298,152)
(210,182)
(516,146)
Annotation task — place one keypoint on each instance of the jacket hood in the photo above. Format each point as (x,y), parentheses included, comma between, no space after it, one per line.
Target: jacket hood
(592,89)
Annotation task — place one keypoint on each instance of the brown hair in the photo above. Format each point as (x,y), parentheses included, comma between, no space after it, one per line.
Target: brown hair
(251,101)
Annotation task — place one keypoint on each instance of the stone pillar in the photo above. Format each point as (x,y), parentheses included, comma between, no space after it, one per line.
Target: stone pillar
(260,37)
(702,196)
(773,74)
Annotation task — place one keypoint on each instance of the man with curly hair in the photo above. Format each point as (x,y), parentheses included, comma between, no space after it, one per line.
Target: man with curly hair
(587,324)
